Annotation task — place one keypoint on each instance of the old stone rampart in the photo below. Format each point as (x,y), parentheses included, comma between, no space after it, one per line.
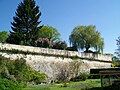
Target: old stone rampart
(55,52)
(57,64)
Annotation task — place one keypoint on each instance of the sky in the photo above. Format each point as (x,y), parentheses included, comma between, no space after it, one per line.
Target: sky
(64,15)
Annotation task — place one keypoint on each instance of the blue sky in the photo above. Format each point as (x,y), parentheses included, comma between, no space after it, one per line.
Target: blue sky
(66,14)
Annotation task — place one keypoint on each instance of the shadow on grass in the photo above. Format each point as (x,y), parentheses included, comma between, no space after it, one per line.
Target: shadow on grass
(95,88)
(105,88)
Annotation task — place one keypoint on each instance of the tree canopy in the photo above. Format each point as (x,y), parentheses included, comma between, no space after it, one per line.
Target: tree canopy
(3,36)
(49,32)
(117,52)
(26,23)
(86,37)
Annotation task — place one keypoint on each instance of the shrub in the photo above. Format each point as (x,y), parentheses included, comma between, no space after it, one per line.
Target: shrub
(45,43)
(83,76)
(6,84)
(116,63)
(72,48)
(42,42)
(37,77)
(19,71)
(59,45)
(64,85)
(25,73)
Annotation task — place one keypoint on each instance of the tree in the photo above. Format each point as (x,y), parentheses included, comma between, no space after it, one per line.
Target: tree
(49,32)
(86,37)
(3,36)
(26,23)
(117,52)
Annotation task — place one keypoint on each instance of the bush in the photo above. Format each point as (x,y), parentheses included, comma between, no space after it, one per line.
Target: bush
(116,63)
(59,45)
(42,42)
(45,43)
(24,72)
(37,77)
(6,84)
(83,76)
(64,85)
(19,71)
(73,48)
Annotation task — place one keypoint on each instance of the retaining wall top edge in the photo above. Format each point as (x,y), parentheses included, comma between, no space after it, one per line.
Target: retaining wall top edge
(104,57)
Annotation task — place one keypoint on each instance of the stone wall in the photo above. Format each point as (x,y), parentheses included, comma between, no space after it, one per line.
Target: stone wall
(55,52)
(58,64)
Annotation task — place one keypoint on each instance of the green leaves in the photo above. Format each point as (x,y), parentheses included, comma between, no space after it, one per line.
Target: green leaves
(49,32)
(3,36)
(85,37)
(26,23)
(117,52)
(18,71)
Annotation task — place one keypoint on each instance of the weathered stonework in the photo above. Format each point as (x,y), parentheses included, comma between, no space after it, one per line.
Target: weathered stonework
(58,64)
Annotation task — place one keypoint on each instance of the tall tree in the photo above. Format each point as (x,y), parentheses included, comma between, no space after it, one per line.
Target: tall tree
(26,23)
(86,37)
(49,32)
(3,36)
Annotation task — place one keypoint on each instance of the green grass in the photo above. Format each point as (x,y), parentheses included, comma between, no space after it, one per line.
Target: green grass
(90,84)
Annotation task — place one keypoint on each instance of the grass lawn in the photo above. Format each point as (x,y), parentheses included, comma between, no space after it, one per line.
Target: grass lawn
(89,84)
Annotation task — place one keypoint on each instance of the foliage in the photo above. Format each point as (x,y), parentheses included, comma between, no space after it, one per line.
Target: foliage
(117,52)
(82,77)
(115,61)
(64,85)
(86,37)
(19,71)
(15,70)
(59,45)
(25,25)
(42,42)
(3,36)
(37,77)
(49,32)
(116,58)
(73,48)
(6,84)
(45,43)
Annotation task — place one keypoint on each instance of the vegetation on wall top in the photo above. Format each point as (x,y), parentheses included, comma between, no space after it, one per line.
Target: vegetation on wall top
(86,37)
(49,32)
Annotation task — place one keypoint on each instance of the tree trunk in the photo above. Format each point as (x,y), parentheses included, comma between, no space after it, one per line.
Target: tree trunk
(87,48)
